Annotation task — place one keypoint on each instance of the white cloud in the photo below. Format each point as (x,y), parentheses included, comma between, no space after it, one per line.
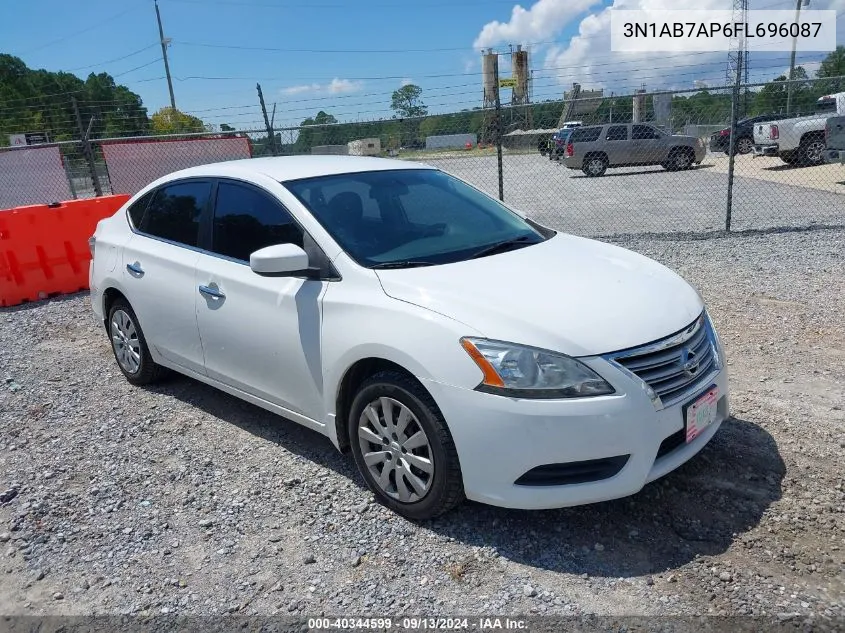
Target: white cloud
(586,57)
(297,90)
(335,86)
(545,19)
(405,82)
(339,86)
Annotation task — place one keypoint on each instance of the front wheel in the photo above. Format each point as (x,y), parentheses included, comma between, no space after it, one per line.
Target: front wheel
(403,448)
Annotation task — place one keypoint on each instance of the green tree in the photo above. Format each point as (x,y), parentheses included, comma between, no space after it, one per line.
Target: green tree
(171,121)
(832,66)
(41,101)
(406,102)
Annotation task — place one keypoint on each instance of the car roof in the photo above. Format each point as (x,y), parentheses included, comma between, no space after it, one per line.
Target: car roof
(283,168)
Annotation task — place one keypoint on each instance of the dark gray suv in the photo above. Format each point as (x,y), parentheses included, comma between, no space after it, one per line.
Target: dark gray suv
(593,149)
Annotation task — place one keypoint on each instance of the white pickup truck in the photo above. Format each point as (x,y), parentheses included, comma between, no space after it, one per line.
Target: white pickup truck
(834,136)
(799,141)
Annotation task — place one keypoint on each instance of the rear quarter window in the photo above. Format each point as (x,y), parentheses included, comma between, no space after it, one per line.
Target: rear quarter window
(585,134)
(137,209)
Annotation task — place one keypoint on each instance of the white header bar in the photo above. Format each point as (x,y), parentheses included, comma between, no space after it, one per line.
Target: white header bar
(659,30)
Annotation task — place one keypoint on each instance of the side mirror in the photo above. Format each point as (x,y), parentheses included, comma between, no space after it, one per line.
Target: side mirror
(279,260)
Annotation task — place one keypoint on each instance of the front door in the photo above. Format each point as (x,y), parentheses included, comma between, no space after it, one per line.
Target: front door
(648,148)
(260,334)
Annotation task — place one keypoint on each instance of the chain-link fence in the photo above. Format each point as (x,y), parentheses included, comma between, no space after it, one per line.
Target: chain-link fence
(627,164)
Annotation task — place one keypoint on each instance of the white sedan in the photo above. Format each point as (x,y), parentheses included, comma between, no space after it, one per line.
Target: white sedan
(456,347)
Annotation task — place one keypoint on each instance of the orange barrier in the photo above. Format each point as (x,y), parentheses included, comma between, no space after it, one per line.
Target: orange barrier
(44,248)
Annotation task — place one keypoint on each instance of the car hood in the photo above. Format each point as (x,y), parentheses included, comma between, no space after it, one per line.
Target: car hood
(569,294)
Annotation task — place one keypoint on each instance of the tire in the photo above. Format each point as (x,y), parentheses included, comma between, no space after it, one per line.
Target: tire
(680,159)
(130,347)
(415,493)
(811,151)
(595,166)
(744,145)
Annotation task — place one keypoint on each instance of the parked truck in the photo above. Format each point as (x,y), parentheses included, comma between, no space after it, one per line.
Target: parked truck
(799,141)
(834,135)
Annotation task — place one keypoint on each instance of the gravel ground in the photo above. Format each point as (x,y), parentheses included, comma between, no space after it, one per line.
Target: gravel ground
(180,499)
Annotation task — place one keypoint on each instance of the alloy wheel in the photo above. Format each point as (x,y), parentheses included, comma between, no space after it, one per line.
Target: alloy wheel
(595,166)
(396,450)
(745,146)
(124,336)
(814,151)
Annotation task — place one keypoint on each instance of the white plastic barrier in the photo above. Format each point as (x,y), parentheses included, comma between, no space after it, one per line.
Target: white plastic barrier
(133,165)
(32,175)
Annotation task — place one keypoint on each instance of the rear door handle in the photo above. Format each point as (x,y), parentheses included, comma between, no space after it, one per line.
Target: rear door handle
(135,269)
(214,293)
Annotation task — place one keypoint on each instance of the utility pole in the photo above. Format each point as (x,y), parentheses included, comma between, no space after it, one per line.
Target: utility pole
(271,138)
(164,43)
(789,86)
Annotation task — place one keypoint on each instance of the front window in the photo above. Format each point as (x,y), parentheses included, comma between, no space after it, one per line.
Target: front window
(412,217)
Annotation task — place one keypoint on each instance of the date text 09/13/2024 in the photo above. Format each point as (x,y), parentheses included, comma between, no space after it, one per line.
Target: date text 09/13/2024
(418,624)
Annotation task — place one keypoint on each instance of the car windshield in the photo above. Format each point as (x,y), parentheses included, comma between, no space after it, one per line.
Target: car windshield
(411,217)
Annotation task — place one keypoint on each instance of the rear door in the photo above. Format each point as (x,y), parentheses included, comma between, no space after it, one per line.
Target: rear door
(617,145)
(158,270)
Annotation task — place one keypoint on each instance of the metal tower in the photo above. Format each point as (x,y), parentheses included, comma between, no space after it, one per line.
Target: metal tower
(738,52)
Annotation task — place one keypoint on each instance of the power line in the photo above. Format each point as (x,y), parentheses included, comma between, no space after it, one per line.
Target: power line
(110,61)
(81,31)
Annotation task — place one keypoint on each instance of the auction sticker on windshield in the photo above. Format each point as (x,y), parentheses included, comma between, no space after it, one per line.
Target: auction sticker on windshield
(701,414)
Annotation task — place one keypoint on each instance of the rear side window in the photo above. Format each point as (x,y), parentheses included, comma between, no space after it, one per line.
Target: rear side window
(137,209)
(175,210)
(585,134)
(643,132)
(617,133)
(246,220)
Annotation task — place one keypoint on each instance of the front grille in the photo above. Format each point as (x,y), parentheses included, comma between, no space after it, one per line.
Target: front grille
(676,366)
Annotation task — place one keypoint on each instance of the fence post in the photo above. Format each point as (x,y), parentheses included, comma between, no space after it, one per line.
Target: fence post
(86,148)
(499,134)
(731,147)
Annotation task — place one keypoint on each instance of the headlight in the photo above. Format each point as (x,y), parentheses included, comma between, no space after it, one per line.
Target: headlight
(527,372)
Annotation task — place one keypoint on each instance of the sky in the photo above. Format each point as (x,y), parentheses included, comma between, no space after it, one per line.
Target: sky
(347,56)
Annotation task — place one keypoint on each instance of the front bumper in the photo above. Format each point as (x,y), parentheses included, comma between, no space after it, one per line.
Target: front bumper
(834,156)
(499,439)
(766,150)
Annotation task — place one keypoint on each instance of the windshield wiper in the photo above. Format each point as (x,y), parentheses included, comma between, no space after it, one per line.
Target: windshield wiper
(506,245)
(407,263)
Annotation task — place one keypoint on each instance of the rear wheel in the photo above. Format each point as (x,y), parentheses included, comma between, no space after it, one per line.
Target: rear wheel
(811,151)
(680,159)
(595,166)
(403,448)
(745,145)
(130,347)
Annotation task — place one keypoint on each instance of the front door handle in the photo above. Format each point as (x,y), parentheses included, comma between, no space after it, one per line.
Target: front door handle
(135,269)
(214,293)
